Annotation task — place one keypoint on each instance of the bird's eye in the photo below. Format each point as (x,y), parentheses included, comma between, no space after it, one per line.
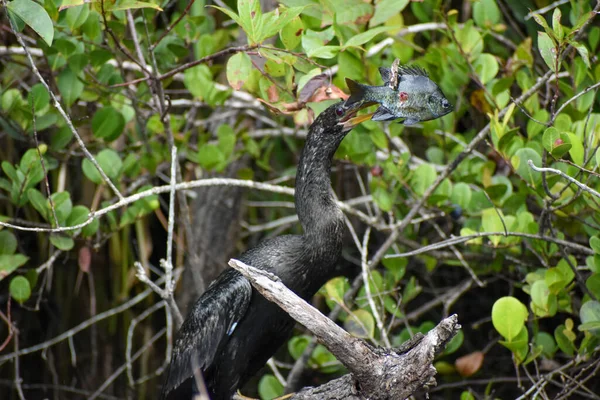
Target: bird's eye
(445,103)
(339,111)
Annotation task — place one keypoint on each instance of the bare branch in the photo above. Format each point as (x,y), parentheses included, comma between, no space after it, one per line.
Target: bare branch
(376,373)
(582,186)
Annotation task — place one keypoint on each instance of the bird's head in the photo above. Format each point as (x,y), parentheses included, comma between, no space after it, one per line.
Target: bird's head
(341,116)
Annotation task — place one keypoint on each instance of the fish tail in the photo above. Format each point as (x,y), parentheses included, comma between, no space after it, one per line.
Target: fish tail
(357,92)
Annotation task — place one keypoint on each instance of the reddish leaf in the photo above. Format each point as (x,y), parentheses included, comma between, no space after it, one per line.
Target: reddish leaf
(85,259)
(469,364)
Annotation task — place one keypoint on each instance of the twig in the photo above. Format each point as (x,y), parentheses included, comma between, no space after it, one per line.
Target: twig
(365,276)
(582,186)
(461,239)
(169,284)
(73,331)
(120,370)
(37,147)
(63,113)
(572,99)
(173,25)
(544,10)
(130,330)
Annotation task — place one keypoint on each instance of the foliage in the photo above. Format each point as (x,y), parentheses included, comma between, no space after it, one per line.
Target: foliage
(458,194)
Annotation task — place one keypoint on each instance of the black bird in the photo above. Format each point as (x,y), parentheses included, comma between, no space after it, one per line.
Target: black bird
(232,330)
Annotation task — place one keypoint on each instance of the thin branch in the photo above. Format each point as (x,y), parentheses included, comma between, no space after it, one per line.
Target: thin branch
(544,10)
(582,186)
(73,331)
(63,113)
(461,239)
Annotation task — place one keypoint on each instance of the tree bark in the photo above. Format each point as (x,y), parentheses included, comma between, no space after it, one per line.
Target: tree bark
(375,373)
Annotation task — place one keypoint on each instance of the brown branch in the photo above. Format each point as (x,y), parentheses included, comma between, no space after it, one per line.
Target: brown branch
(375,373)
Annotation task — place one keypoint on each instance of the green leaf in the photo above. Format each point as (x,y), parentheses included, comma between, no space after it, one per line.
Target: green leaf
(8,242)
(519,345)
(238,70)
(486,67)
(396,267)
(131,5)
(593,284)
(595,244)
(296,346)
(38,97)
(62,242)
(70,86)
(423,178)
(546,341)
(251,19)
(466,396)
(336,288)
(62,206)
(556,26)
(275,21)
(563,339)
(590,312)
(576,152)
(108,124)
(542,22)
(227,139)
(291,33)
(109,161)
(509,316)
(470,40)
(492,222)
(38,201)
(20,289)
(548,50)
(79,215)
(362,38)
(386,9)
(583,52)
(461,194)
(325,52)
(76,16)
(35,16)
(486,13)
(269,387)
(543,299)
(210,156)
(61,138)
(360,323)
(9,263)
(520,164)
(383,199)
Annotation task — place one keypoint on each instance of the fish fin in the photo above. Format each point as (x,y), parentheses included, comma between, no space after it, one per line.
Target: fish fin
(357,92)
(386,74)
(412,70)
(410,121)
(383,114)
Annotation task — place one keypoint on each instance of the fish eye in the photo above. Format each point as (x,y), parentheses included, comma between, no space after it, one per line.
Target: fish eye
(445,103)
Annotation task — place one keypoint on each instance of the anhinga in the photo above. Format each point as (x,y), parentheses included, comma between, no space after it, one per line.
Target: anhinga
(232,330)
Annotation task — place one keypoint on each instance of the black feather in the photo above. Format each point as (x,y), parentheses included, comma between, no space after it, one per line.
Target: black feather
(232,330)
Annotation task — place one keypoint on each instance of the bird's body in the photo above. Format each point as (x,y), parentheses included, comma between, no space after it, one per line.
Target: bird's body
(232,330)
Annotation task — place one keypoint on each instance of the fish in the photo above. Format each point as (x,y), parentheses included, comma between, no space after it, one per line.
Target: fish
(407,93)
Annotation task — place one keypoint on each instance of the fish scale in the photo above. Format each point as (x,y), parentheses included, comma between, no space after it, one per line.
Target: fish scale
(407,93)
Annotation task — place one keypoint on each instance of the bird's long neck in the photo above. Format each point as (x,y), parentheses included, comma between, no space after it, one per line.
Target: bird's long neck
(321,218)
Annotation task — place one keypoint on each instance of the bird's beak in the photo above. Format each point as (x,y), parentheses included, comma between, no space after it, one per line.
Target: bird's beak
(352,122)
(351,119)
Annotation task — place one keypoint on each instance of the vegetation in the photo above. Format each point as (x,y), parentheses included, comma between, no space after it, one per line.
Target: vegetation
(489,212)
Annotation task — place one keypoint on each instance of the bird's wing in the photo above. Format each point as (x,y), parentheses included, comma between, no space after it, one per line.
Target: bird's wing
(212,320)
